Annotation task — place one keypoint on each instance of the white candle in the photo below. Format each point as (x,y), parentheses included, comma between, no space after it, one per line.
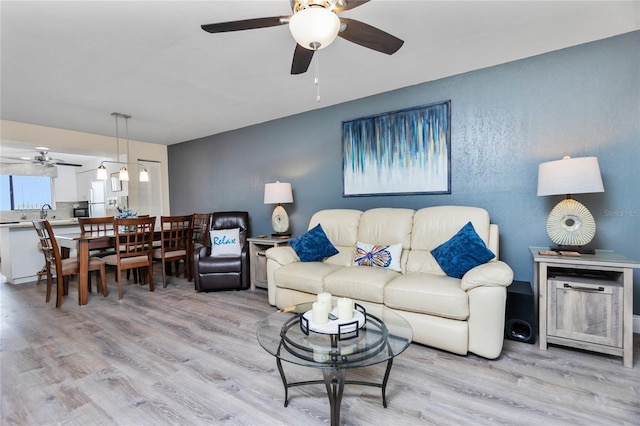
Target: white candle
(320,355)
(345,308)
(325,299)
(319,313)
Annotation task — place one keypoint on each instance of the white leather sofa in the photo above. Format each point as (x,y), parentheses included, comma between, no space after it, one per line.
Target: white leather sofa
(457,315)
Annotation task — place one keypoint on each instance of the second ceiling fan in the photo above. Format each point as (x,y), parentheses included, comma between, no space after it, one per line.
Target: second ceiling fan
(314,25)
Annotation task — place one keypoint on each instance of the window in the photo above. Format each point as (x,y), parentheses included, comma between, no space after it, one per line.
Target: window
(24,192)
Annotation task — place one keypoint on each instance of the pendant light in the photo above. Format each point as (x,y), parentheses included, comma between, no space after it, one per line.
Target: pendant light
(144,175)
(124,173)
(102,173)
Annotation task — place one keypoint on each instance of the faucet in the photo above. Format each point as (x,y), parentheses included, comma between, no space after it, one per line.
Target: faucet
(43,212)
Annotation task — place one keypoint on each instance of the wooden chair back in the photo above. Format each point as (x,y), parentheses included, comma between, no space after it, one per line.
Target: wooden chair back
(50,248)
(176,232)
(134,236)
(96,225)
(201,228)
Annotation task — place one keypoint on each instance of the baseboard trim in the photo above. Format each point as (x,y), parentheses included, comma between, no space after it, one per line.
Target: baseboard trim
(636,323)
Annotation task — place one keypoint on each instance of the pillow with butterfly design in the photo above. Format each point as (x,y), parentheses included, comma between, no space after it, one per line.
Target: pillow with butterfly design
(380,256)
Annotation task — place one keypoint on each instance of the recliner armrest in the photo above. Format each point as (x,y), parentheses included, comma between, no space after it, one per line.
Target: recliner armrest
(491,274)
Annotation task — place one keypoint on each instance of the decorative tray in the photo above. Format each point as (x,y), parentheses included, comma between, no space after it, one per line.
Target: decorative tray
(335,326)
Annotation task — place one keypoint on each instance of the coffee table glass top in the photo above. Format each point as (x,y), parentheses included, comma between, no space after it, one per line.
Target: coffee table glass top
(287,336)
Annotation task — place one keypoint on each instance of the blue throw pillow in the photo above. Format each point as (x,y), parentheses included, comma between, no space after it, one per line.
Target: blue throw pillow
(313,245)
(462,252)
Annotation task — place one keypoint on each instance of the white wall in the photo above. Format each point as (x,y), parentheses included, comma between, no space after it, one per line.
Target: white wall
(102,147)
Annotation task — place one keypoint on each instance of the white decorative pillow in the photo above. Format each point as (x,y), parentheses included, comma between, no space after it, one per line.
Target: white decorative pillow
(377,255)
(225,242)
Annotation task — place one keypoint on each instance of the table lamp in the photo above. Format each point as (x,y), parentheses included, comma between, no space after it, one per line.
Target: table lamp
(570,224)
(279,193)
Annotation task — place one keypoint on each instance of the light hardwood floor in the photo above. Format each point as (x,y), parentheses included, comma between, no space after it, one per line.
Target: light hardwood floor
(177,357)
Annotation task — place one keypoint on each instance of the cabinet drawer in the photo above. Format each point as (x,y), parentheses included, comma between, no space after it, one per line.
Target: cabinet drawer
(584,309)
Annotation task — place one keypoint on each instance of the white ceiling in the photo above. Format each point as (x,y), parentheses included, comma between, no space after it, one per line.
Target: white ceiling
(70,64)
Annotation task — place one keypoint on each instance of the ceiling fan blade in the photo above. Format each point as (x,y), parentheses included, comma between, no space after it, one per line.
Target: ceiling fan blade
(67,164)
(371,37)
(16,159)
(301,59)
(245,24)
(351,4)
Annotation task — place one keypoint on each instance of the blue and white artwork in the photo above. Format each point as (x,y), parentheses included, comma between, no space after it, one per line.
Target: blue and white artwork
(402,152)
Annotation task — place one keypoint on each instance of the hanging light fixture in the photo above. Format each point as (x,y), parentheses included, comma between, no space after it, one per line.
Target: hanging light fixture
(123,175)
(144,175)
(102,173)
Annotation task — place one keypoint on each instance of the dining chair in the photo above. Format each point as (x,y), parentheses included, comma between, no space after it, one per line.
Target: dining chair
(134,237)
(176,245)
(61,268)
(201,235)
(201,228)
(97,226)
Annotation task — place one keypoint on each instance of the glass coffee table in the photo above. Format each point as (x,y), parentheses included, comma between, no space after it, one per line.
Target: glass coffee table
(374,335)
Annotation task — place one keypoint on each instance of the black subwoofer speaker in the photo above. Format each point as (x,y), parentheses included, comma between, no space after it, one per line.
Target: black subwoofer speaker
(520,322)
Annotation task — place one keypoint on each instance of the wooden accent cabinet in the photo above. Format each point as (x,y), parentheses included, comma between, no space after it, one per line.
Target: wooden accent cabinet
(586,302)
(258,260)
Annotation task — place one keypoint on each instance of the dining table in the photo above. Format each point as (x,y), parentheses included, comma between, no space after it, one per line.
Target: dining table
(84,243)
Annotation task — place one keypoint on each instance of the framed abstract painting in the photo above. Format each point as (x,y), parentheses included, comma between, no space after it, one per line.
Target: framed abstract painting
(400,152)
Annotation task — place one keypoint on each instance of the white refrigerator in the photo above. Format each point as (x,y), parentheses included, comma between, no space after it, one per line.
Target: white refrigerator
(97,199)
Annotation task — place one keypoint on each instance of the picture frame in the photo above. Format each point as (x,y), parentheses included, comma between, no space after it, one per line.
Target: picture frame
(403,152)
(116,185)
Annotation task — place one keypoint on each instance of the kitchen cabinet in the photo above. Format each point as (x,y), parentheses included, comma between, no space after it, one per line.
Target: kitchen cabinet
(65,185)
(21,257)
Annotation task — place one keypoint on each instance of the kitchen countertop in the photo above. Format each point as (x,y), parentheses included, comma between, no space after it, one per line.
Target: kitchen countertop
(28,224)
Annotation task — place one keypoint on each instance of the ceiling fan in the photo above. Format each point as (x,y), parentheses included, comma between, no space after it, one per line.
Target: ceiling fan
(43,159)
(314,25)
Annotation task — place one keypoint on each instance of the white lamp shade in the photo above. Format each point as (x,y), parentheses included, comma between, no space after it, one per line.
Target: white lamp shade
(570,176)
(102,173)
(124,174)
(144,175)
(277,193)
(314,28)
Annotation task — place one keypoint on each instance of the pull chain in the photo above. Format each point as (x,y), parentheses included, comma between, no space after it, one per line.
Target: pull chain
(317,78)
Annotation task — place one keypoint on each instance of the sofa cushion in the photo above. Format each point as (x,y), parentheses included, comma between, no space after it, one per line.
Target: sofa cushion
(428,294)
(313,245)
(361,283)
(307,277)
(225,242)
(341,227)
(462,252)
(378,255)
(433,226)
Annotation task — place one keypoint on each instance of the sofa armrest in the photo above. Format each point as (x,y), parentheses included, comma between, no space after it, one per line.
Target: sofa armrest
(283,255)
(277,257)
(491,274)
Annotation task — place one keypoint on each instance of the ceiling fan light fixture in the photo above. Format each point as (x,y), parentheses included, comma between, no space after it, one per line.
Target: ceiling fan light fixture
(315,27)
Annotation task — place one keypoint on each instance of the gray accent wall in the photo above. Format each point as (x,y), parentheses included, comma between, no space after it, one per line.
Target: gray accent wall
(505,120)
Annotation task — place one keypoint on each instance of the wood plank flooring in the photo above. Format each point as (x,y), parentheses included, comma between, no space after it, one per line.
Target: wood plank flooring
(177,357)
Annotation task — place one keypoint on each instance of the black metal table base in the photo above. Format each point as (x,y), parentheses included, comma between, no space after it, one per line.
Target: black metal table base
(334,380)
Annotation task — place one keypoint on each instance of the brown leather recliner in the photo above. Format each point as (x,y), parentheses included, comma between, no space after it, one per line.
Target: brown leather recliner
(224,272)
